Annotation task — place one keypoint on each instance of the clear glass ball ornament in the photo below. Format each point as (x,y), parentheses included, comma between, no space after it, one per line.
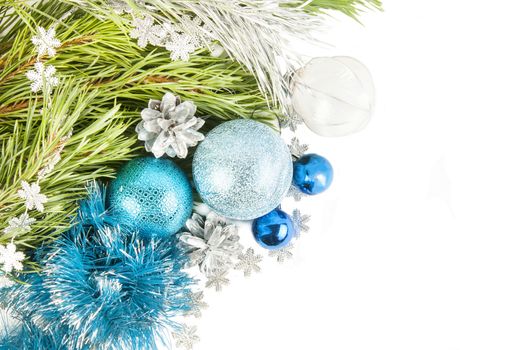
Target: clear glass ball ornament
(334,96)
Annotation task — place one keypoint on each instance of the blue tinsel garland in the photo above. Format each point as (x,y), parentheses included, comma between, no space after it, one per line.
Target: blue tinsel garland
(101,287)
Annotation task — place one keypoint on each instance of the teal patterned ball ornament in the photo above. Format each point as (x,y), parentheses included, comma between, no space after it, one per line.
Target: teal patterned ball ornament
(243,169)
(152,196)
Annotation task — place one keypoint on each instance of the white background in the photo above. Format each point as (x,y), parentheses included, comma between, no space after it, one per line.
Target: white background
(419,243)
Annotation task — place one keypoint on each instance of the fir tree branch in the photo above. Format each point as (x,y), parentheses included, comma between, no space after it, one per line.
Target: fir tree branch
(106,80)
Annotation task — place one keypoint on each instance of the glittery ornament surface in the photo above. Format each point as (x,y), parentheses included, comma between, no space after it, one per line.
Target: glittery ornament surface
(242,169)
(152,195)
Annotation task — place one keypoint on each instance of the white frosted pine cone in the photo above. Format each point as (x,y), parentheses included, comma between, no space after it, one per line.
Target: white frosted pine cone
(169,127)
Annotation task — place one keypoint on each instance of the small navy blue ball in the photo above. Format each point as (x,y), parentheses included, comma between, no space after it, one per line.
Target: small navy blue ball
(312,174)
(273,230)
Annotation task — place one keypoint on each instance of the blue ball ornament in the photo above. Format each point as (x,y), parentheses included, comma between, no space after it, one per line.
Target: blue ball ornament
(243,169)
(273,230)
(152,196)
(312,174)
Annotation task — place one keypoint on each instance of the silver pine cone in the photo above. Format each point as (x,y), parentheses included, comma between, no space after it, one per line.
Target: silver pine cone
(210,242)
(169,127)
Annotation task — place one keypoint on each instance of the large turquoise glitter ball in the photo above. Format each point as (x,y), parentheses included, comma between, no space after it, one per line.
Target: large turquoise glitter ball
(243,169)
(151,195)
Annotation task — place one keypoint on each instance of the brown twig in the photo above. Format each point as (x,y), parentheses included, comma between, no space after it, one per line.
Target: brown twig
(14,107)
(80,40)
(20,69)
(160,79)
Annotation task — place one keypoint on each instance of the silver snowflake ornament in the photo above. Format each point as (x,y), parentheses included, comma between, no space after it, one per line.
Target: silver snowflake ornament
(45,42)
(292,122)
(282,254)
(210,242)
(218,280)
(248,262)
(33,198)
(42,77)
(170,127)
(187,36)
(197,304)
(186,337)
(10,258)
(147,32)
(297,149)
(300,222)
(295,192)
(181,46)
(21,224)
(190,25)
(5,281)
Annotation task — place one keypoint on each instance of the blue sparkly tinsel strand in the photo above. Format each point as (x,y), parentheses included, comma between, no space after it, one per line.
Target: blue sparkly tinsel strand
(101,287)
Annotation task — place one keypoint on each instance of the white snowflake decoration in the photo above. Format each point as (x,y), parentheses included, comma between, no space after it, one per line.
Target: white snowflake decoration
(181,39)
(42,77)
(300,222)
(201,33)
(218,280)
(147,32)
(297,149)
(186,337)
(295,192)
(10,258)
(292,122)
(45,42)
(197,304)
(248,262)
(21,224)
(33,198)
(5,281)
(282,254)
(181,46)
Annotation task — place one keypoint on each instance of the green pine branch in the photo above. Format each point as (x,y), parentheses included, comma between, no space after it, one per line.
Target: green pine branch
(105,81)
